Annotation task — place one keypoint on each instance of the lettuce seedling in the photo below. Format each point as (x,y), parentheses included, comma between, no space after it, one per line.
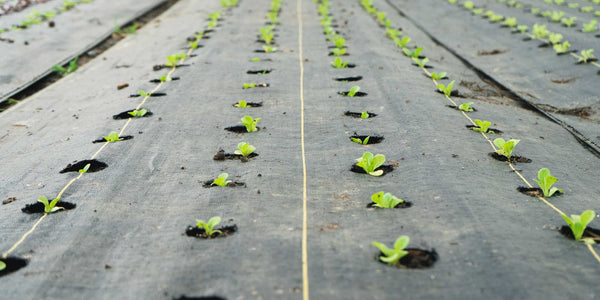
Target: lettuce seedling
(522,28)
(269,49)
(510,22)
(562,48)
(138,113)
(420,62)
(113,137)
(267,34)
(246,86)
(386,200)
(506,147)
(359,141)
(338,51)
(401,43)
(221,180)
(62,71)
(535,11)
(364,115)
(469,5)
(587,9)
(241,104)
(413,54)
(438,76)
(339,64)
(273,18)
(466,107)
(573,5)
(393,33)
(214,16)
(540,31)
(590,27)
(477,11)
(339,41)
(250,123)
(447,90)
(568,21)
(50,207)
(370,163)
(173,59)
(353,91)
(579,223)
(586,56)
(194,44)
(496,18)
(392,256)
(483,126)
(2,265)
(209,227)
(555,38)
(85,169)
(556,16)
(245,149)
(255,59)
(144,94)
(546,181)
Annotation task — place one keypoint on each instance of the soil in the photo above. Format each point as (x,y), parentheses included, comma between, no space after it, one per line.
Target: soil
(386,169)
(359,114)
(348,79)
(221,155)
(38,207)
(9,200)
(490,129)
(588,233)
(125,115)
(415,259)
(373,139)
(239,129)
(12,264)
(197,232)
(95,166)
(405,204)
(259,72)
(357,94)
(123,138)
(513,159)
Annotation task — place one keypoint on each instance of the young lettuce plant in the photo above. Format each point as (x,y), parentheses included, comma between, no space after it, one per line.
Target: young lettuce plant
(173,59)
(579,223)
(546,181)
(85,169)
(506,147)
(364,115)
(221,180)
(386,200)
(339,41)
(483,126)
(138,113)
(413,54)
(562,48)
(339,64)
(586,56)
(113,137)
(392,256)
(250,123)
(590,27)
(401,43)
(466,107)
(50,207)
(438,76)
(209,227)
(421,62)
(246,86)
(62,71)
(370,163)
(241,104)
(446,89)
(359,141)
(245,149)
(338,51)
(269,49)
(353,91)
(267,34)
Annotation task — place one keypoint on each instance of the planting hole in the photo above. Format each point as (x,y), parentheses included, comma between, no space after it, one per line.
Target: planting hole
(95,166)
(534,192)
(373,139)
(239,129)
(157,80)
(358,94)
(257,72)
(38,207)
(12,264)
(221,155)
(125,115)
(122,138)
(195,231)
(454,93)
(385,168)
(208,184)
(404,204)
(588,233)
(155,94)
(489,130)
(359,114)
(415,259)
(513,159)
(249,104)
(347,79)
(160,67)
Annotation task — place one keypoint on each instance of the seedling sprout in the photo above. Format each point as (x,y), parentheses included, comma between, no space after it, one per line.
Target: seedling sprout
(370,163)
(209,227)
(386,200)
(392,256)
(113,137)
(545,181)
(138,113)
(339,64)
(483,126)
(359,141)
(506,147)
(250,123)
(353,91)
(579,223)
(466,107)
(50,207)
(221,180)
(245,149)
(446,89)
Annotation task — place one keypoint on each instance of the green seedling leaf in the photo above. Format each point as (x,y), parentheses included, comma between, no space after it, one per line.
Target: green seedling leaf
(255,59)
(466,107)
(586,56)
(392,256)
(245,149)
(590,27)
(439,76)
(420,62)
(173,60)
(194,44)
(209,227)
(359,141)
(113,137)
(339,41)
(221,180)
(338,51)
(506,147)
(353,91)
(483,126)
(469,5)
(241,104)
(370,163)
(364,115)
(339,64)
(250,123)
(50,207)
(401,43)
(579,223)
(138,113)
(2,266)
(85,169)
(446,89)
(386,200)
(545,181)
(562,48)
(269,49)
(246,86)
(413,54)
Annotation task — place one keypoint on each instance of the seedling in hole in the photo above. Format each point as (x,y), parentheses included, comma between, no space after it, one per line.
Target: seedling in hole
(194,44)
(214,16)
(466,107)
(113,137)
(211,24)
(401,43)
(392,256)
(579,223)
(364,115)
(437,76)
(144,94)
(413,54)
(540,31)
(359,141)
(510,22)
(255,59)
(339,41)
(67,4)
(506,147)
(268,49)
(339,64)
(469,5)
(546,181)
(245,149)
(165,78)
(421,62)
(209,227)
(250,123)
(50,207)
(267,34)
(246,86)
(496,18)
(483,126)
(2,265)
(62,71)
(562,48)
(477,11)
(131,29)
(173,59)
(446,89)
(587,9)
(386,200)
(138,113)
(273,18)
(85,169)
(573,5)
(586,55)
(535,11)
(568,22)
(555,38)
(393,33)
(370,163)
(241,104)
(353,91)
(590,27)
(221,180)
(522,28)
(338,51)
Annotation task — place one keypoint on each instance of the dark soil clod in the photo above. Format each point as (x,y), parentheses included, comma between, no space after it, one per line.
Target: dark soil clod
(404,204)
(208,184)
(196,232)
(490,130)
(155,94)
(157,80)
(95,166)
(386,169)
(250,104)
(588,233)
(38,207)
(373,139)
(221,155)
(123,138)
(358,94)
(13,264)
(259,72)
(125,115)
(415,259)
(513,159)
(351,78)
(359,114)
(239,129)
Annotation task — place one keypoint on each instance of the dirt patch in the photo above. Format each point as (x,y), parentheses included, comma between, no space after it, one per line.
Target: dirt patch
(513,159)
(492,52)
(9,200)
(373,139)
(155,94)
(415,259)
(239,129)
(259,72)
(221,155)
(38,207)
(535,192)
(95,166)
